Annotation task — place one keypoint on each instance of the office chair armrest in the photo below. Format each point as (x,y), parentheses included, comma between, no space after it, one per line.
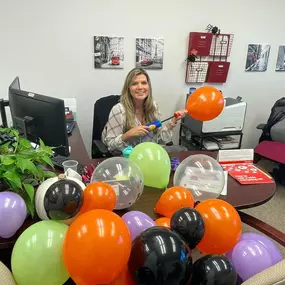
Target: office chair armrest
(100,146)
(261,126)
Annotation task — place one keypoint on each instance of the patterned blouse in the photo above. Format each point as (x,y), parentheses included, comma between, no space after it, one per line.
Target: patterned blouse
(113,130)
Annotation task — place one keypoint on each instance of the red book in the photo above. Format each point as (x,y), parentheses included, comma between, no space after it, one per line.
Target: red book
(239,165)
(247,173)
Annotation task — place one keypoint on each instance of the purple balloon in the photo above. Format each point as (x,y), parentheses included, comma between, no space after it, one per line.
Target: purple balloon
(13,212)
(271,247)
(250,257)
(137,222)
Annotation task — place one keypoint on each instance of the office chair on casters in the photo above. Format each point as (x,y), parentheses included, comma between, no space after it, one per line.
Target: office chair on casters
(102,109)
(272,140)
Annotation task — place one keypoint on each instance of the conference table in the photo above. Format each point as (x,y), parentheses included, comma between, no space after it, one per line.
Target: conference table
(240,196)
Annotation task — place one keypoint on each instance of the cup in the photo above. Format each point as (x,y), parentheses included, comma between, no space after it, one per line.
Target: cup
(72,164)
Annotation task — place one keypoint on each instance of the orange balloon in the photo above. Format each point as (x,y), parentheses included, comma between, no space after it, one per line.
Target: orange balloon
(97,247)
(172,200)
(164,222)
(124,278)
(223,226)
(205,103)
(98,195)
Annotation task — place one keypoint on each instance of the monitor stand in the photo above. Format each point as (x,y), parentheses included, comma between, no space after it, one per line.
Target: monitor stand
(3,104)
(24,125)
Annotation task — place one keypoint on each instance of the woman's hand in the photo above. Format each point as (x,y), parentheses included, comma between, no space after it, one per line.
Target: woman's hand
(135,132)
(180,114)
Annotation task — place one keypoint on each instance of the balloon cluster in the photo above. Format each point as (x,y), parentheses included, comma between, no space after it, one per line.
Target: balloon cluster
(100,247)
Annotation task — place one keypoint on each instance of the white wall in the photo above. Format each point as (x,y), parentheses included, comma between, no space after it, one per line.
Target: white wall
(49,45)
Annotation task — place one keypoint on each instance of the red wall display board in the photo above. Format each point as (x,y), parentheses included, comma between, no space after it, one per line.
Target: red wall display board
(212,52)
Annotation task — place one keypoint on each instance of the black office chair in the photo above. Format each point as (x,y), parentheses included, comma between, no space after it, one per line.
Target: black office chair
(102,109)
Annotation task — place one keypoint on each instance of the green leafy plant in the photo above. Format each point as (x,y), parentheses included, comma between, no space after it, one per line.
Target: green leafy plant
(23,166)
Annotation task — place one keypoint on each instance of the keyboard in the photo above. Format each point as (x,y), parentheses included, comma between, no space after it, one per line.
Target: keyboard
(59,159)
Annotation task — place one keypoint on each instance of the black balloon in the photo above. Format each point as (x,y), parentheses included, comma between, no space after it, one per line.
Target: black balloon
(188,223)
(63,199)
(213,270)
(160,257)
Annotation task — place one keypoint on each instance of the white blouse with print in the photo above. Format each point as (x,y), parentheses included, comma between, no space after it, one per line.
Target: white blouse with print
(113,130)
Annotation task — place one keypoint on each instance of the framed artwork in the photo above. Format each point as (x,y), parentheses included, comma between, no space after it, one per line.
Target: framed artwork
(149,53)
(108,52)
(257,57)
(280,64)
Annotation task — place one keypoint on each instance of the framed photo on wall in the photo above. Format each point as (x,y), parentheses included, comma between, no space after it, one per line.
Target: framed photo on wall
(257,57)
(108,52)
(149,53)
(280,64)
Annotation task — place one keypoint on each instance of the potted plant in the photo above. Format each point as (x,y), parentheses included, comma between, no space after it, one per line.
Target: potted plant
(22,167)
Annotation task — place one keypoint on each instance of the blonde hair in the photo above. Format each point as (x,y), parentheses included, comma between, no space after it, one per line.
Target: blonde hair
(149,108)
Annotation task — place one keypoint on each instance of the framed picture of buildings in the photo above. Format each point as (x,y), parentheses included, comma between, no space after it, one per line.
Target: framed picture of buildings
(149,53)
(108,52)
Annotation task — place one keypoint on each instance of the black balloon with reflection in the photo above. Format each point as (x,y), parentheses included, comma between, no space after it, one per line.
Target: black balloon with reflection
(188,223)
(160,257)
(213,270)
(63,199)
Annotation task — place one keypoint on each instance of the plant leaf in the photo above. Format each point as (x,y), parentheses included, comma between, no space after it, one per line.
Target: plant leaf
(49,174)
(47,160)
(42,144)
(7,160)
(30,191)
(13,179)
(26,165)
(24,143)
(40,173)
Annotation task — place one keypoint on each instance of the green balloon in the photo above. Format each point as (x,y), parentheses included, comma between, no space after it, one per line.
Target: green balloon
(154,163)
(37,255)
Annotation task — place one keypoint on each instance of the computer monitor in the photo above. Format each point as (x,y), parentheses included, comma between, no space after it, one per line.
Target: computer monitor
(38,116)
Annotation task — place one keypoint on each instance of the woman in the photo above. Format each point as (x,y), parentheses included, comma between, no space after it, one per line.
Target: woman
(128,119)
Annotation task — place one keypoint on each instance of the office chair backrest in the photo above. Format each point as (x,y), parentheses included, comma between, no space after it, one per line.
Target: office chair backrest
(102,109)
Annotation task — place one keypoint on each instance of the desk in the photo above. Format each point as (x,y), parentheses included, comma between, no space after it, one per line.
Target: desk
(240,196)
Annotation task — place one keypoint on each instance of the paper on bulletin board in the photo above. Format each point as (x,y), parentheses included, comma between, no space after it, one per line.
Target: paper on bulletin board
(71,104)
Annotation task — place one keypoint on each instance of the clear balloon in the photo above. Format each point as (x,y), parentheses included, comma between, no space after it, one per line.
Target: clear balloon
(189,224)
(154,162)
(37,255)
(160,257)
(205,103)
(213,270)
(250,257)
(137,222)
(202,175)
(13,212)
(124,176)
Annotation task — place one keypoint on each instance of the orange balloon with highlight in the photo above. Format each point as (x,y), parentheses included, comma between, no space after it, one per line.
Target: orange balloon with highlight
(98,195)
(124,278)
(172,200)
(97,247)
(205,103)
(163,222)
(223,226)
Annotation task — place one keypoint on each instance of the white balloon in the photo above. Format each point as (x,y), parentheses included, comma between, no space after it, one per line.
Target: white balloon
(124,176)
(202,175)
